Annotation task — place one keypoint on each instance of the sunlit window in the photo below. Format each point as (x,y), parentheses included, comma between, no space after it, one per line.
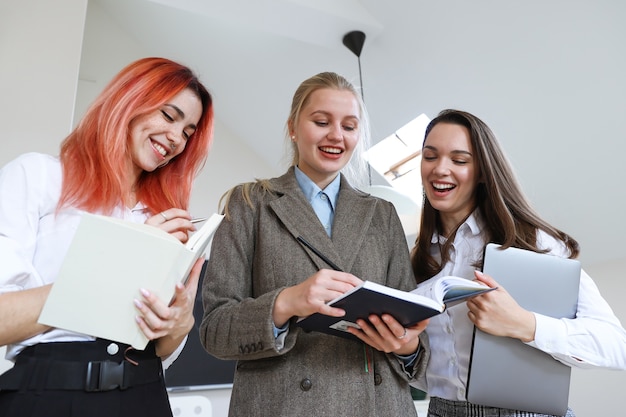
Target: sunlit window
(397,157)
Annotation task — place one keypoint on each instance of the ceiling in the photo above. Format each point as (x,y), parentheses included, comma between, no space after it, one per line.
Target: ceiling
(548,77)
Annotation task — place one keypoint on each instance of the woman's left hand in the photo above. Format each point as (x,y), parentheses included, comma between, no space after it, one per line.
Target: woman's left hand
(497,313)
(386,334)
(169,324)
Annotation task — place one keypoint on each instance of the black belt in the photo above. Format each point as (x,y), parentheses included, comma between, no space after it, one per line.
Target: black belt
(88,376)
(36,372)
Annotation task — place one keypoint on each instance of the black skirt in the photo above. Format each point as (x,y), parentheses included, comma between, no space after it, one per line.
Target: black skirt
(79,379)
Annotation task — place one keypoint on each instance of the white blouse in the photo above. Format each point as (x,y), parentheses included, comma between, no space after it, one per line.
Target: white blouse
(34,239)
(595,338)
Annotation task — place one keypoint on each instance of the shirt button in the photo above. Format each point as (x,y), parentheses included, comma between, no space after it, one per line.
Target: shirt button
(112,349)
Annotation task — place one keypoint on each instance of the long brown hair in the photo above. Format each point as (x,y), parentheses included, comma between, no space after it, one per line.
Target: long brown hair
(510,220)
(95,155)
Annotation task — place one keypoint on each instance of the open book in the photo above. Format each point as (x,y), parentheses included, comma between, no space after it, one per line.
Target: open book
(108,262)
(408,308)
(450,290)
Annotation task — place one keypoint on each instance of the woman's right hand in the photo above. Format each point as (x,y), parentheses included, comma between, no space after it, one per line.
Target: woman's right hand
(311,295)
(174,221)
(497,313)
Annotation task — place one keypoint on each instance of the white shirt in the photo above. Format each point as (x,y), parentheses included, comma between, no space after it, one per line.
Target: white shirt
(595,338)
(34,239)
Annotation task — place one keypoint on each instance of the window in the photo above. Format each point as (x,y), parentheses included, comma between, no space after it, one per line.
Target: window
(397,159)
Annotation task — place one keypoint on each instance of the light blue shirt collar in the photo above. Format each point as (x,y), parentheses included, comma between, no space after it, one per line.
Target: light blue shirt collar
(311,190)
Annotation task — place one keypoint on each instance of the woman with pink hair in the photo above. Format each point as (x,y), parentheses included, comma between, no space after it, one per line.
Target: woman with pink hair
(133,156)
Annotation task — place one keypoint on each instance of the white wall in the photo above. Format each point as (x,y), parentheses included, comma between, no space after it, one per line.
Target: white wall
(598,392)
(40,45)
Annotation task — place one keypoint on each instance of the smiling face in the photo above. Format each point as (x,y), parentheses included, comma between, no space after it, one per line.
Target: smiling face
(159,136)
(449,173)
(326,133)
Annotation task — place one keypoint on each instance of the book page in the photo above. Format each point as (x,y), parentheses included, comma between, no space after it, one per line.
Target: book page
(429,289)
(450,288)
(199,240)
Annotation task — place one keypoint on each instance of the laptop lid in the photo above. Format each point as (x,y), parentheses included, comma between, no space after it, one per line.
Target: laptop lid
(505,372)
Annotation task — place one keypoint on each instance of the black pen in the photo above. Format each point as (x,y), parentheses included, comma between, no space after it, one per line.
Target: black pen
(318,253)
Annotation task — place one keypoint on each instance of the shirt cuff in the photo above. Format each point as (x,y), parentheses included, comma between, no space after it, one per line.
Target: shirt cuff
(407,361)
(550,334)
(280,333)
(174,355)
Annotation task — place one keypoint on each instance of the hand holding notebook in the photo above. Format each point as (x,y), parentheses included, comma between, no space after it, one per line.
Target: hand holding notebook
(407,308)
(108,262)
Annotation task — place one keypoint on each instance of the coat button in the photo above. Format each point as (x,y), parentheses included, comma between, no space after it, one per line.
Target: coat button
(306,384)
(112,349)
(378,379)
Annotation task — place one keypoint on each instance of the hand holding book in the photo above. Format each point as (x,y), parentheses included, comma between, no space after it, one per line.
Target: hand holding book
(369,298)
(108,262)
(408,308)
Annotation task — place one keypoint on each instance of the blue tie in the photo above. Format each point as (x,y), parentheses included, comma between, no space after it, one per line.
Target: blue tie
(323,209)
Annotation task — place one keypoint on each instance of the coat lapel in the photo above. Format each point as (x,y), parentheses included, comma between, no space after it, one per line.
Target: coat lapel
(353,215)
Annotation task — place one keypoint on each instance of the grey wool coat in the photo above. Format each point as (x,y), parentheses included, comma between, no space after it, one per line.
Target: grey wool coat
(254,256)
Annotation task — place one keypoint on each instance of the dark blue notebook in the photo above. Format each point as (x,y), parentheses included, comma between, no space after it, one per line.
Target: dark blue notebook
(408,308)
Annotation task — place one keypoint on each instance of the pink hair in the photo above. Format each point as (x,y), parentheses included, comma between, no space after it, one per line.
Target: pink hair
(95,156)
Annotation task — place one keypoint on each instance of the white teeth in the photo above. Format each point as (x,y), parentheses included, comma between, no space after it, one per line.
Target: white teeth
(443,186)
(159,148)
(330,150)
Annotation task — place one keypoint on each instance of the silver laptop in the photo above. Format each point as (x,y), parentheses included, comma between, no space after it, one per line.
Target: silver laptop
(505,372)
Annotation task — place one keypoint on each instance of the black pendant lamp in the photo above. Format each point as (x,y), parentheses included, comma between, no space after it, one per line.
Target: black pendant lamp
(354,42)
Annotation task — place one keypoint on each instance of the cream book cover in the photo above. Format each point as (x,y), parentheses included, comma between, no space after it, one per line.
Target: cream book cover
(108,262)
